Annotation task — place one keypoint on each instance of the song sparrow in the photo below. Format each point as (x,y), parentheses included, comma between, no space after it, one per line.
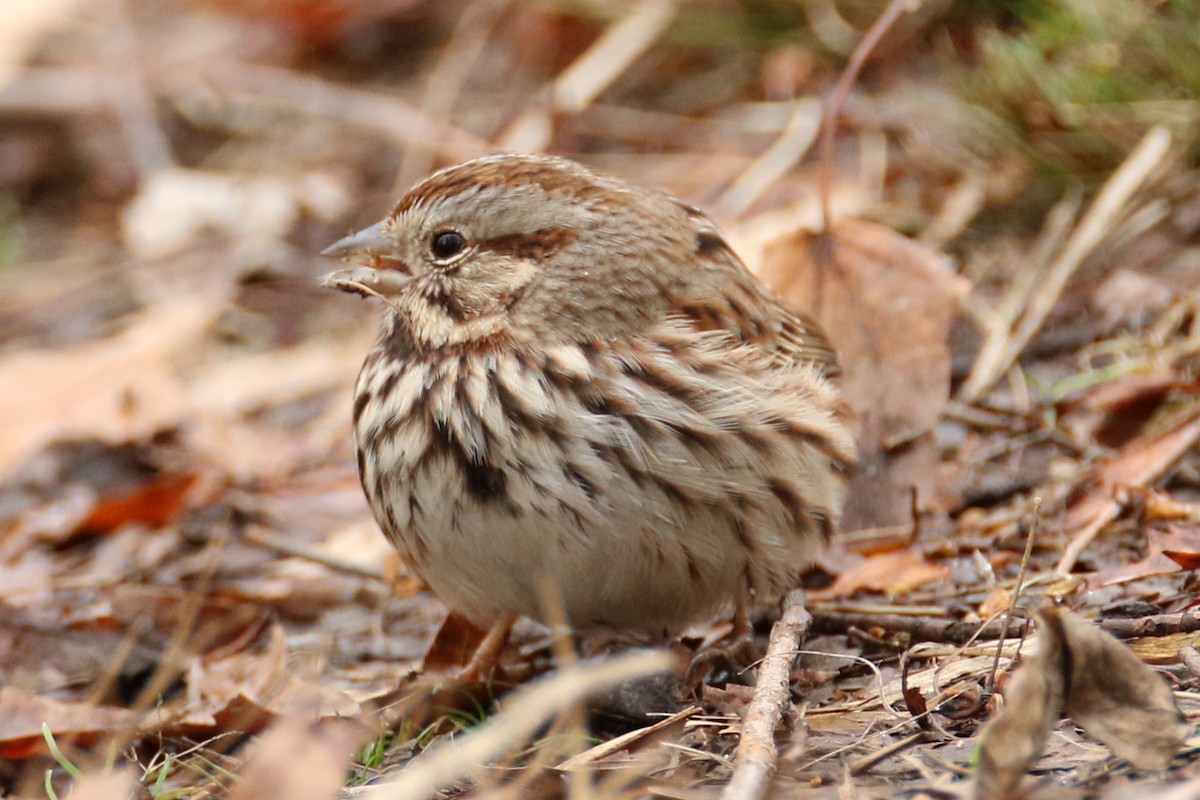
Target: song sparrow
(578,384)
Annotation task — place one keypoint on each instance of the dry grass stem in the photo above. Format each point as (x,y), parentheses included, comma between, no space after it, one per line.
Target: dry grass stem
(591,73)
(1097,223)
(1016,593)
(527,709)
(788,150)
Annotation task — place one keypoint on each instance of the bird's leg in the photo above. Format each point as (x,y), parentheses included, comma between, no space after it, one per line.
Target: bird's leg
(486,657)
(725,658)
(740,642)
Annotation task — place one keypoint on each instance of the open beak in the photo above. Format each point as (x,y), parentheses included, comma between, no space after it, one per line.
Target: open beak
(375,269)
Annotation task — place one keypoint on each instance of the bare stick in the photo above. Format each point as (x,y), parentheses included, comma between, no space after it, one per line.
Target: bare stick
(455,64)
(754,763)
(787,150)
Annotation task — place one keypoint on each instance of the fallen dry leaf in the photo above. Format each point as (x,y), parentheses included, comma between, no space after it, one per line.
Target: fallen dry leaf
(1143,460)
(1013,740)
(89,390)
(1169,551)
(891,573)
(886,303)
(22,716)
(247,690)
(998,600)
(1117,698)
(153,503)
(1099,682)
(1116,411)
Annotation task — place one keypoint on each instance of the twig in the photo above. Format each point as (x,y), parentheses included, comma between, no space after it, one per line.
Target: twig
(130,96)
(754,763)
(626,741)
(1016,594)
(841,90)
(1156,625)
(925,629)
(867,762)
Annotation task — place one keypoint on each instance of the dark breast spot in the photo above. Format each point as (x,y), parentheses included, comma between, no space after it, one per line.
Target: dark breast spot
(483,481)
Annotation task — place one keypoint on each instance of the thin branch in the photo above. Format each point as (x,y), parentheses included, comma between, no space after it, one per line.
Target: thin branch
(754,763)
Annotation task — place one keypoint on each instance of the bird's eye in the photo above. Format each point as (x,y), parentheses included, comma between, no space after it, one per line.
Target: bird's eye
(446,244)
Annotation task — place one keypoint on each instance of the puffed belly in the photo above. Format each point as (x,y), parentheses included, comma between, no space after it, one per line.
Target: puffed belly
(630,558)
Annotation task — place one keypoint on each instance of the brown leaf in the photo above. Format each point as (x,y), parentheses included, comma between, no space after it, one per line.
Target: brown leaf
(247,690)
(22,716)
(1114,412)
(892,573)
(1013,740)
(456,640)
(1140,462)
(998,600)
(1100,683)
(1168,552)
(886,303)
(153,503)
(1117,698)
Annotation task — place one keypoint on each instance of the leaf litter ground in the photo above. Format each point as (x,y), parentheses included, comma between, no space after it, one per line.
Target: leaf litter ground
(192,588)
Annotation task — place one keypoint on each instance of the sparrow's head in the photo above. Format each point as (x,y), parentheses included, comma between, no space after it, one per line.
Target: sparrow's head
(524,244)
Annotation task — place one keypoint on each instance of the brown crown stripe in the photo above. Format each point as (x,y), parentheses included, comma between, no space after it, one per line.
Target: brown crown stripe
(552,175)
